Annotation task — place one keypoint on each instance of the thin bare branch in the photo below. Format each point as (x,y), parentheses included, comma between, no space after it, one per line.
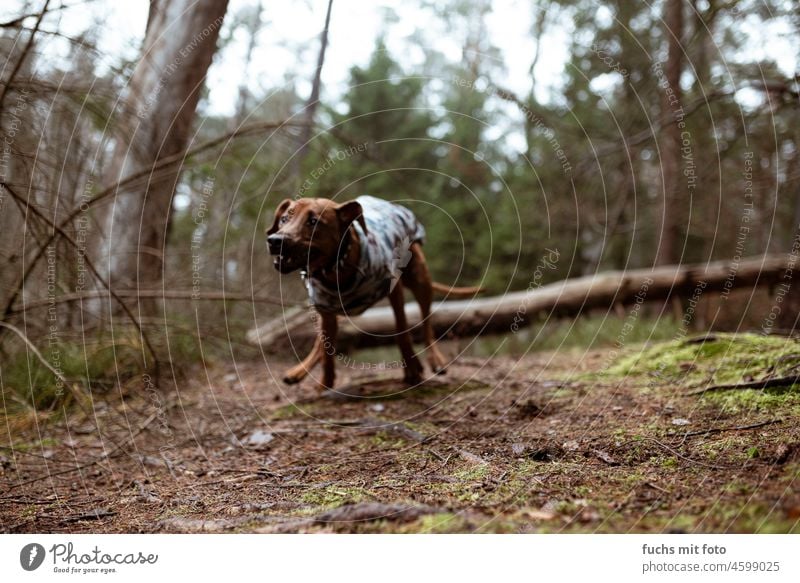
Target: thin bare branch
(105,193)
(18,65)
(153,293)
(35,351)
(92,268)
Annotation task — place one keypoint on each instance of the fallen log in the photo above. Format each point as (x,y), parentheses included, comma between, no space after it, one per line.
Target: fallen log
(517,309)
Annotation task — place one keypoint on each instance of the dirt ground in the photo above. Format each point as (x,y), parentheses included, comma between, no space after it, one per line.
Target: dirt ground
(552,442)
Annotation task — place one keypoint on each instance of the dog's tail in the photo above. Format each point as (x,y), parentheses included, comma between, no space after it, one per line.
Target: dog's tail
(458,292)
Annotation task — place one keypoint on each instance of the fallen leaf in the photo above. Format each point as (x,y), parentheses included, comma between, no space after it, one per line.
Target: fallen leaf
(606,457)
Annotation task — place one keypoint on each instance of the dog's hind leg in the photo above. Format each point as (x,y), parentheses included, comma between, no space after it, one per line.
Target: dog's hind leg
(417,278)
(413,369)
(328,330)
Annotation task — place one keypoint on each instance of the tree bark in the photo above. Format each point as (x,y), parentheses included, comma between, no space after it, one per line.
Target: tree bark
(512,311)
(672,207)
(164,90)
(316,85)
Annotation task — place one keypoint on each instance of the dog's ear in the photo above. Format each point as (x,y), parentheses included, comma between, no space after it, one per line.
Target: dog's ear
(349,212)
(278,214)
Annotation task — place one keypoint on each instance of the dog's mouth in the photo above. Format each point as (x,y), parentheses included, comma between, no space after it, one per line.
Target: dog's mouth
(284,264)
(292,259)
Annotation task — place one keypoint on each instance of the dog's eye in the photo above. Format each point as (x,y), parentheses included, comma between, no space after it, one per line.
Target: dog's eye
(284,219)
(312,220)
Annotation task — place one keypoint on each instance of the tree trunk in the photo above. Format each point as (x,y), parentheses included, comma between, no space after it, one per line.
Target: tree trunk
(512,311)
(179,44)
(313,99)
(789,289)
(672,207)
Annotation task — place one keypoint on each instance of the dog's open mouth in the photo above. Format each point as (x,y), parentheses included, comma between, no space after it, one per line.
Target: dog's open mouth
(288,261)
(285,263)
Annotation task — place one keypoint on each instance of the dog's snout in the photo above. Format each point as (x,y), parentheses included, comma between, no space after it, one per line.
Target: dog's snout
(274,243)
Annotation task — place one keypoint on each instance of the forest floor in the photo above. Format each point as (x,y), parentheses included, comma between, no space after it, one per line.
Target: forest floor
(565,441)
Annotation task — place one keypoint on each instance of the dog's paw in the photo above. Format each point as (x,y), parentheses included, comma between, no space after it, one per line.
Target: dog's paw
(293,376)
(437,362)
(412,379)
(413,373)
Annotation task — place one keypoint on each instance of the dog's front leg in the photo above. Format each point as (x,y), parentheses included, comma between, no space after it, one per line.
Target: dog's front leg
(327,338)
(413,369)
(298,372)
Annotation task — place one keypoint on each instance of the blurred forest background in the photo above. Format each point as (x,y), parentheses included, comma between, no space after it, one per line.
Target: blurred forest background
(668,135)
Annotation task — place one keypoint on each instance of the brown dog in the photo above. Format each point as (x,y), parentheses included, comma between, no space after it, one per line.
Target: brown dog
(352,255)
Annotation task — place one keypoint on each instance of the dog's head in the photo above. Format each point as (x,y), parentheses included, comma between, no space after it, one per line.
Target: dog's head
(308,232)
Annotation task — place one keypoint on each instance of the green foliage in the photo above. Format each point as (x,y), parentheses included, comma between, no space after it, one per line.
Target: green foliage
(30,390)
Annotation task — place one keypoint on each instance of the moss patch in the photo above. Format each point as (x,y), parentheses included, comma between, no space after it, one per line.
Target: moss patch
(332,497)
(724,358)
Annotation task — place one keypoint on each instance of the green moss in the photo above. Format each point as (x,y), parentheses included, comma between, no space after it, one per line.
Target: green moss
(332,497)
(669,462)
(726,358)
(384,440)
(443,522)
(472,473)
(752,518)
(791,473)
(290,411)
(785,399)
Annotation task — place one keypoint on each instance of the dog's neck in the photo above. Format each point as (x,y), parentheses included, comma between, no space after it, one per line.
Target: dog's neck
(339,273)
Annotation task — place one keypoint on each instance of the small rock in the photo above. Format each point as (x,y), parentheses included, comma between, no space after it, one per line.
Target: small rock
(155,462)
(377,407)
(259,437)
(518,448)
(680,421)
(571,445)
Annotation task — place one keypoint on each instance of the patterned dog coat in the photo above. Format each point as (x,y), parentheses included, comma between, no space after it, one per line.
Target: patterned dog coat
(385,251)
